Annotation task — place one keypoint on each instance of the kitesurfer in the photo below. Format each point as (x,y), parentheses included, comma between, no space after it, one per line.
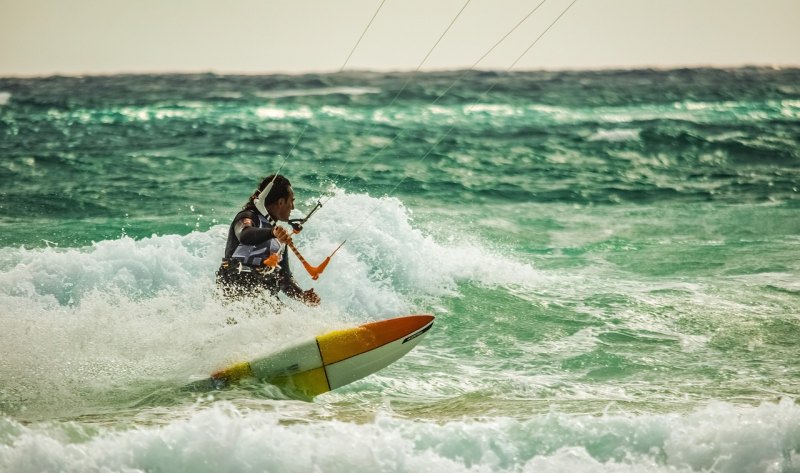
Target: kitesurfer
(255,253)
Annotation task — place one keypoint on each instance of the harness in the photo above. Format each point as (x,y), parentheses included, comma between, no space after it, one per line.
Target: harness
(250,258)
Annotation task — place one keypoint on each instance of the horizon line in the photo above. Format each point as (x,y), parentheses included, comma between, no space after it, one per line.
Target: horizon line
(323,71)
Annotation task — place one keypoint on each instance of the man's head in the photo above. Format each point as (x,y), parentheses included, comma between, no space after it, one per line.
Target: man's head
(280,200)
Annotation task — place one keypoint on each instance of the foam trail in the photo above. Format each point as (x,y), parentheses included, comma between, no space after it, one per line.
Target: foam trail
(277,94)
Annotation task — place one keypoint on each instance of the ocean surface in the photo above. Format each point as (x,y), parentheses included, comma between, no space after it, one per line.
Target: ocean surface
(613,260)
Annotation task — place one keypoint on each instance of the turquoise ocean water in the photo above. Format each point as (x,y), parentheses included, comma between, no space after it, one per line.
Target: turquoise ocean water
(613,259)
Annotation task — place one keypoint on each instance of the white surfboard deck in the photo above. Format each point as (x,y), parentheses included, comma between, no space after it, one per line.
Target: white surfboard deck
(332,360)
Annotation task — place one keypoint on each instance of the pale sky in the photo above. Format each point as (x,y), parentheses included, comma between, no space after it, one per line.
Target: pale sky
(43,37)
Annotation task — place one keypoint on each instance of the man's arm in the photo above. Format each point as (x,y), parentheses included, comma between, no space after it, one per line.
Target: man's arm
(247,233)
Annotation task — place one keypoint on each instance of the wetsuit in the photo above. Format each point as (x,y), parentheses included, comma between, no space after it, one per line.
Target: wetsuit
(242,271)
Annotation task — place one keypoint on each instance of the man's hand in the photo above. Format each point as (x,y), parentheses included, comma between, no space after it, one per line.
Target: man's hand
(310,297)
(281,234)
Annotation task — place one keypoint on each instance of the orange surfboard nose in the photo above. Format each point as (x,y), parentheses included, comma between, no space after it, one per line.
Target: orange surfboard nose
(342,344)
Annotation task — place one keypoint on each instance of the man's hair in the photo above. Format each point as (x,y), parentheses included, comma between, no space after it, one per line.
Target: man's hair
(280,190)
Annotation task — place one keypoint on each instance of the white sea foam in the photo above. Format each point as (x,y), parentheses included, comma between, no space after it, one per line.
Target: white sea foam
(276,94)
(385,265)
(390,258)
(720,437)
(790,108)
(4,98)
(616,135)
(499,110)
(277,113)
(342,113)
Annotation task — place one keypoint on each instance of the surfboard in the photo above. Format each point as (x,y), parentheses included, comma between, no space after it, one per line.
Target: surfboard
(331,360)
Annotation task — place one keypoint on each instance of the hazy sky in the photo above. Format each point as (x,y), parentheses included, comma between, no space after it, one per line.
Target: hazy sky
(260,36)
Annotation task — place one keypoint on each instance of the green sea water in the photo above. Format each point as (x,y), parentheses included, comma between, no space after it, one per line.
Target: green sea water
(613,259)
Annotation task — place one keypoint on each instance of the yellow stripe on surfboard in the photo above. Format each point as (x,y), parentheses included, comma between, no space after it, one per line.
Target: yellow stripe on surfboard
(342,344)
(310,383)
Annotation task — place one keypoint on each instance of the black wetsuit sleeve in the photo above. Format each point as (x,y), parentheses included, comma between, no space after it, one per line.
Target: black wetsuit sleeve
(254,235)
(251,235)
